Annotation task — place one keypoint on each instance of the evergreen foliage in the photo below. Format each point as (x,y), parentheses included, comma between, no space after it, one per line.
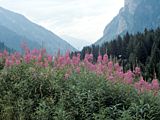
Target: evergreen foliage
(140,49)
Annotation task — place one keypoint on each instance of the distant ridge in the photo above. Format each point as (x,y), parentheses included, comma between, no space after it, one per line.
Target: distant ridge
(18,28)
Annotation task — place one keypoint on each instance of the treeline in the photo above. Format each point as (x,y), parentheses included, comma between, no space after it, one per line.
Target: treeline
(3,47)
(141,49)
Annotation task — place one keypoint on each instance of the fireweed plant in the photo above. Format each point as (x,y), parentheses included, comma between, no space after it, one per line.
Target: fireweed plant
(37,85)
(112,71)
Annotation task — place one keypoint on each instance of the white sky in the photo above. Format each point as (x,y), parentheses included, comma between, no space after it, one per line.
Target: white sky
(82,19)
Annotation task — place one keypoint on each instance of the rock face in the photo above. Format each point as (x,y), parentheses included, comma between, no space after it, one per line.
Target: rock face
(16,29)
(135,16)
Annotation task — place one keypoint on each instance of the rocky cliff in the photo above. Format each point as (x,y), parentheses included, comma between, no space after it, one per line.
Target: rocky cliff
(135,16)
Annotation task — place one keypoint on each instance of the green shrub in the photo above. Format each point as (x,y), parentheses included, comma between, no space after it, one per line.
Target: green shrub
(35,93)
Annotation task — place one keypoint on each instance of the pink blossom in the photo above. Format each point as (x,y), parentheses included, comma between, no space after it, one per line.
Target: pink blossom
(110,66)
(128,77)
(119,74)
(7,63)
(39,57)
(27,58)
(1,55)
(137,71)
(18,62)
(90,57)
(61,60)
(148,86)
(5,53)
(117,67)
(155,84)
(43,51)
(17,55)
(13,57)
(111,77)
(141,82)
(100,69)
(35,51)
(99,58)
(46,64)
(34,57)
(75,60)
(49,57)
(105,59)
(86,58)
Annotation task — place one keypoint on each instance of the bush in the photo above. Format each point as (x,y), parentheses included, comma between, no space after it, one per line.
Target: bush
(33,89)
(36,93)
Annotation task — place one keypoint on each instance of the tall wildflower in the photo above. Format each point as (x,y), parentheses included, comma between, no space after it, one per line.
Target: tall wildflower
(5,53)
(137,71)
(105,59)
(155,84)
(128,77)
(1,55)
(67,58)
(49,57)
(110,66)
(39,57)
(27,58)
(99,58)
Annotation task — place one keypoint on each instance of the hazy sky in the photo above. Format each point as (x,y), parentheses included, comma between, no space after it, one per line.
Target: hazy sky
(82,19)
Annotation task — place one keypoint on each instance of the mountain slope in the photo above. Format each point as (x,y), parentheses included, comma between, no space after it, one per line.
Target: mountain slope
(32,32)
(135,16)
(77,43)
(13,40)
(4,47)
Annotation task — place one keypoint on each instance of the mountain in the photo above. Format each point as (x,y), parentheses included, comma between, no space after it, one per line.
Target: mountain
(13,40)
(135,16)
(4,47)
(18,29)
(75,42)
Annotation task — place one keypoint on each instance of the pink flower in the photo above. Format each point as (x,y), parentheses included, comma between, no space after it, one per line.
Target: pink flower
(17,55)
(5,53)
(99,58)
(61,60)
(75,60)
(49,57)
(78,55)
(105,59)
(137,71)
(148,86)
(86,58)
(90,57)
(18,62)
(155,84)
(46,64)
(13,57)
(35,51)
(27,58)
(111,77)
(141,82)
(100,69)
(7,63)
(34,57)
(117,67)
(119,74)
(110,66)
(128,77)
(39,57)
(43,51)
(1,55)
